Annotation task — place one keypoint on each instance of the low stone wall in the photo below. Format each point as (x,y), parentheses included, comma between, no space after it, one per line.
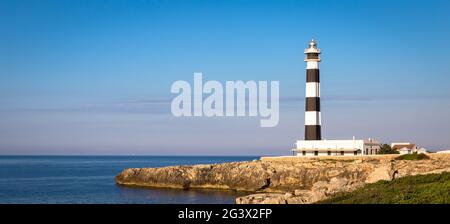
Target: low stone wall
(318,158)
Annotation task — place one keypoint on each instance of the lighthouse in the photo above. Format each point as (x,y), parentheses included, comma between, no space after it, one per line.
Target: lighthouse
(312,101)
(313,145)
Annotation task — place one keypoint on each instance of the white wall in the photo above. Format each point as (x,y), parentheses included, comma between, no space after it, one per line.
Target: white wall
(368,147)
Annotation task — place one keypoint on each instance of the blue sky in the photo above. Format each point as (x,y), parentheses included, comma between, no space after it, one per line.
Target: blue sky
(94,77)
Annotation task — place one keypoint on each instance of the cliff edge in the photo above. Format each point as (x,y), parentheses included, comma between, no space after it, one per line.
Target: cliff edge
(285,179)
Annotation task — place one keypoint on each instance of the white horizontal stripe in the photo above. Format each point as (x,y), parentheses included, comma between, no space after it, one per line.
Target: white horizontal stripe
(312,118)
(312,89)
(312,65)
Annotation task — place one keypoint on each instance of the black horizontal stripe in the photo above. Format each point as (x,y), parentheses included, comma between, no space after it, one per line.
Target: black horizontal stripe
(312,132)
(312,104)
(312,55)
(312,75)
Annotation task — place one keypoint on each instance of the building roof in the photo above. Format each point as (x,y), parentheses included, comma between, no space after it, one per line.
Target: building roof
(334,144)
(326,150)
(397,146)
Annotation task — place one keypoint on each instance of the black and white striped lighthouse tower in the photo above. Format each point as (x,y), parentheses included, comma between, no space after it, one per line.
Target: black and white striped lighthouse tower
(312,107)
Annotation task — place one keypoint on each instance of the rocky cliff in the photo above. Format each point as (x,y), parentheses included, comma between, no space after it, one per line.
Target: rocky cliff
(284,179)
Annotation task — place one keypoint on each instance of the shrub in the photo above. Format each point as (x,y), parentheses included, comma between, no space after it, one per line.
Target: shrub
(386,149)
(413,156)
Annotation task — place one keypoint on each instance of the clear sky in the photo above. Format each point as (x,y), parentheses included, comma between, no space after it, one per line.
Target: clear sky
(94,77)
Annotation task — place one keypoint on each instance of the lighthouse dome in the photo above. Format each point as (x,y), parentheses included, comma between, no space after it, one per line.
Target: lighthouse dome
(312,44)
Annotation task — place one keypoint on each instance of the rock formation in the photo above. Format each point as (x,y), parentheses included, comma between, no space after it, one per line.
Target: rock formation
(278,180)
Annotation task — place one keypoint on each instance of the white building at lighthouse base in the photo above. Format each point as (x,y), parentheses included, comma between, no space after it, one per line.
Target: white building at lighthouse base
(311,148)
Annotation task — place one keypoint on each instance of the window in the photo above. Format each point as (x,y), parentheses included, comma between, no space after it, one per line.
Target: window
(355,153)
(304,153)
(312,55)
(329,153)
(316,153)
(342,153)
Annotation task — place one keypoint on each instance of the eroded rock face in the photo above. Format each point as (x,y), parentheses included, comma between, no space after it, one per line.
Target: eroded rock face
(241,176)
(284,180)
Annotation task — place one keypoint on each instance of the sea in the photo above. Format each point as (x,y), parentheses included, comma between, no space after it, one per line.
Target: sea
(90,180)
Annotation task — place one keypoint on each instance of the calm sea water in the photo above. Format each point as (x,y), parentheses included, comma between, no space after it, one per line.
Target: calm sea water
(90,179)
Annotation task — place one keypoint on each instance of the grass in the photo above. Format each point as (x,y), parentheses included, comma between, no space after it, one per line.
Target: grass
(413,156)
(419,189)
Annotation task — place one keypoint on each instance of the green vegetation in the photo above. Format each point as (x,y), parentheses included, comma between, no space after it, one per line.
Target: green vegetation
(386,149)
(413,156)
(420,189)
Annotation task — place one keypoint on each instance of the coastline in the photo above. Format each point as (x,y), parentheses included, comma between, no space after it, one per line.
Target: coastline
(284,179)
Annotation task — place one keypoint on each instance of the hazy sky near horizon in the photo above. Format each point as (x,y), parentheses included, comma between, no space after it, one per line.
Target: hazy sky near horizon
(94,77)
